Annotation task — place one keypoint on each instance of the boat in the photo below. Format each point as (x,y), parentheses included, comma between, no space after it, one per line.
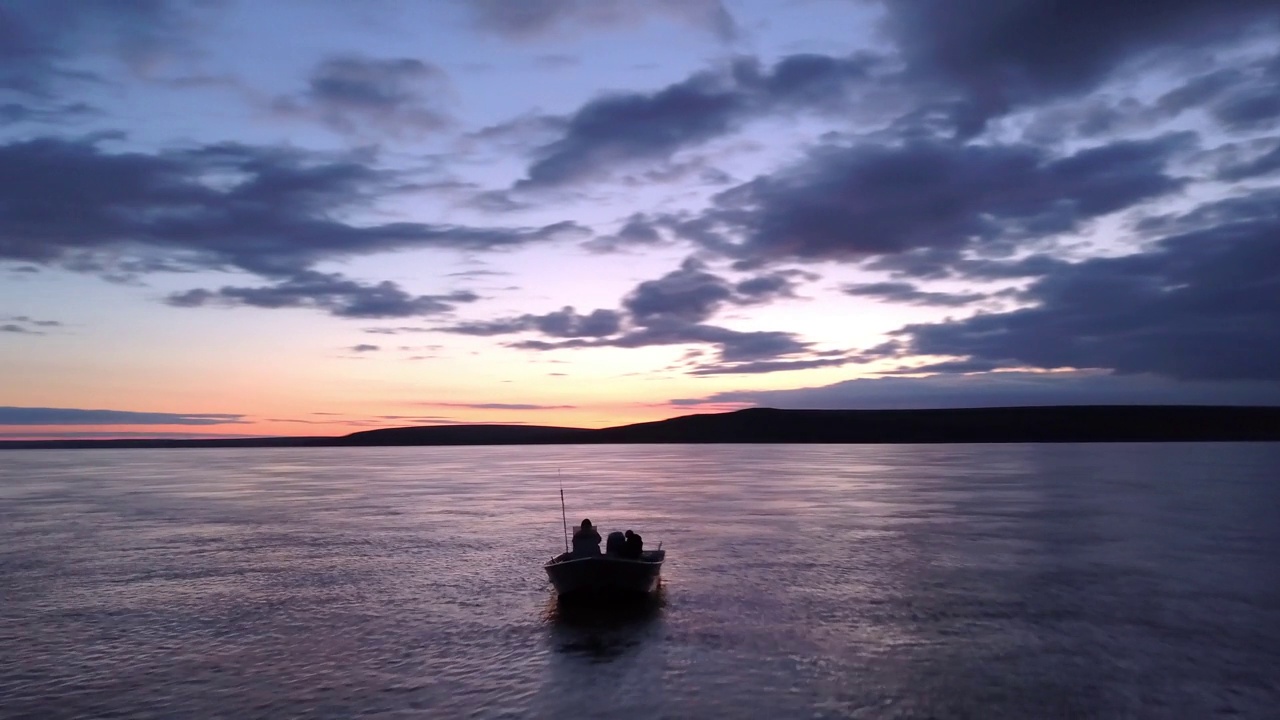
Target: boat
(606,574)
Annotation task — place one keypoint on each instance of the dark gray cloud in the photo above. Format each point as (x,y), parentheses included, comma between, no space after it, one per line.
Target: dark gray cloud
(400,97)
(567,323)
(857,202)
(907,293)
(1266,163)
(529,19)
(944,263)
(330,292)
(771,286)
(634,126)
(364,348)
(1254,206)
(734,347)
(670,310)
(1251,112)
(564,323)
(269,211)
(1002,389)
(42,42)
(690,294)
(13,113)
(948,367)
(621,128)
(76,416)
(26,325)
(521,132)
(771,366)
(639,231)
(1200,304)
(266,210)
(999,55)
(1242,97)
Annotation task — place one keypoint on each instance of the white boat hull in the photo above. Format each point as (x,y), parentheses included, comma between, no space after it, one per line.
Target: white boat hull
(606,574)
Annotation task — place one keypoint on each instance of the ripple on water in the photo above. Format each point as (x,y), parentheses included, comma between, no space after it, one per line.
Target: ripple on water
(802,581)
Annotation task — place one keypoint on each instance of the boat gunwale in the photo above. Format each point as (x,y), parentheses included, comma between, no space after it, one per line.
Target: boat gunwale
(611,558)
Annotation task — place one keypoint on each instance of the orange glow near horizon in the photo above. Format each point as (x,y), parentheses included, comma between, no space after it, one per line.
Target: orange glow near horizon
(327,425)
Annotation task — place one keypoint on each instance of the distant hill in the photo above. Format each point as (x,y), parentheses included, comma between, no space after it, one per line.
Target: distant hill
(1085,423)
(960,425)
(467,435)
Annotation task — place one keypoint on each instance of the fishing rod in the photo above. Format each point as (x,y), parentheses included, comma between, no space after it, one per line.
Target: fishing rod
(564,517)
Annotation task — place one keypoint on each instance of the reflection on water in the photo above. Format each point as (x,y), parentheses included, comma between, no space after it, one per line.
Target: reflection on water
(1002,581)
(602,629)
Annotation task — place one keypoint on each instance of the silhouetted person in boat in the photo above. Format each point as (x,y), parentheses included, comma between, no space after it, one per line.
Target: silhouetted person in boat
(586,541)
(615,544)
(633,545)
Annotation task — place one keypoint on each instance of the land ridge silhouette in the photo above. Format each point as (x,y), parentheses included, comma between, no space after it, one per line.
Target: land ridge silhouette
(1020,424)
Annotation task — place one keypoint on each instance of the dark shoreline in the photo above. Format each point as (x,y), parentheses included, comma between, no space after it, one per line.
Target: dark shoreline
(1083,423)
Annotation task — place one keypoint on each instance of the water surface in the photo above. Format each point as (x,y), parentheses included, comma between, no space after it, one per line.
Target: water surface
(997,581)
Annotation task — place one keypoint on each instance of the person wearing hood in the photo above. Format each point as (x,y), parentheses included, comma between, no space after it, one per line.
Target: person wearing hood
(586,540)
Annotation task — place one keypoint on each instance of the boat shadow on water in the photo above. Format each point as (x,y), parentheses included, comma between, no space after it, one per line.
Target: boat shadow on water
(603,628)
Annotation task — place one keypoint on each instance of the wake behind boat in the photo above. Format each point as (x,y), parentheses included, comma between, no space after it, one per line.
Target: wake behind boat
(606,574)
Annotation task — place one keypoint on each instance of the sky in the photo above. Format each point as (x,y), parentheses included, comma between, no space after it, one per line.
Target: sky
(313,217)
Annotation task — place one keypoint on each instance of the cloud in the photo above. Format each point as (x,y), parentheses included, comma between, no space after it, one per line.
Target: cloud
(1000,55)
(520,132)
(396,330)
(364,348)
(25,325)
(623,128)
(634,126)
(1200,304)
(356,95)
(1001,389)
(43,41)
(670,310)
(265,210)
(734,347)
(1251,111)
(273,212)
(535,18)
(860,201)
(948,367)
(332,293)
(12,113)
(771,286)
(503,406)
(639,231)
(74,416)
(1240,97)
(42,435)
(687,295)
(959,64)
(771,366)
(1266,163)
(565,323)
(907,293)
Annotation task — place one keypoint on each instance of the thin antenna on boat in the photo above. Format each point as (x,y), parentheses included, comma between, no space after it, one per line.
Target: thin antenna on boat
(564,517)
